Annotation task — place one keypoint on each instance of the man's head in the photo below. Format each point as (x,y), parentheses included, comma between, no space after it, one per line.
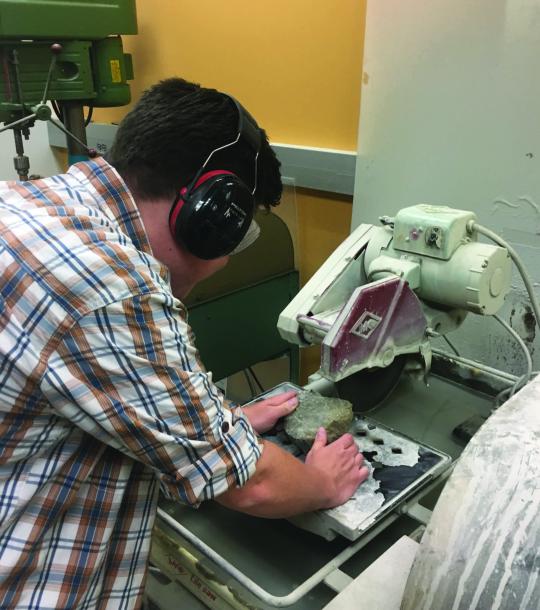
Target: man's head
(163,143)
(165,139)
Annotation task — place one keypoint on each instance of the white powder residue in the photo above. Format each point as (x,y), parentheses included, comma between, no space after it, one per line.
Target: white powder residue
(391,449)
(383,447)
(365,502)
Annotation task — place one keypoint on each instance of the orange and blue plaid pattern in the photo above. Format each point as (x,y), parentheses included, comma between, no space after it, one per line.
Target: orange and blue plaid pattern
(103,400)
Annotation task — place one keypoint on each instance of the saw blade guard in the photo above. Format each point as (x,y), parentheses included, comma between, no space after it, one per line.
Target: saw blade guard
(380,321)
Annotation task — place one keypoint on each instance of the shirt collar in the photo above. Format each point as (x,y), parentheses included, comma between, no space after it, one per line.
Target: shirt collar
(113,195)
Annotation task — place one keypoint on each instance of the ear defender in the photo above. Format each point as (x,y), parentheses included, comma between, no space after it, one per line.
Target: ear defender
(211,216)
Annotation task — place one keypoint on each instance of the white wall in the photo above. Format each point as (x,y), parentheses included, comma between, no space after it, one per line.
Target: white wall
(450,114)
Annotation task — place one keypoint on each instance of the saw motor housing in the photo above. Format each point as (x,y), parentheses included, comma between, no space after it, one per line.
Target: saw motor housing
(385,291)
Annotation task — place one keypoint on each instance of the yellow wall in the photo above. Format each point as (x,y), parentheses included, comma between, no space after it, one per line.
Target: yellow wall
(296,65)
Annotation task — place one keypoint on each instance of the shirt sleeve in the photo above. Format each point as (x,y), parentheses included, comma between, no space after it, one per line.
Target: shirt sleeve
(129,375)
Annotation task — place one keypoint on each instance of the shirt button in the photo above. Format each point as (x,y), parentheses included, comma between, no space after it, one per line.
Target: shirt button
(225,427)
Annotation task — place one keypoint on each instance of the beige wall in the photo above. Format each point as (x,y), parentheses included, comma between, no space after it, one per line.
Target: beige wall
(296,65)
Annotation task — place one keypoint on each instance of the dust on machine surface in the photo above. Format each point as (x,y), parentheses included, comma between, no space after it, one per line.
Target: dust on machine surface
(375,308)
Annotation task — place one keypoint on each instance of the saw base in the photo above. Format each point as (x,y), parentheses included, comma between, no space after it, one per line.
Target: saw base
(399,466)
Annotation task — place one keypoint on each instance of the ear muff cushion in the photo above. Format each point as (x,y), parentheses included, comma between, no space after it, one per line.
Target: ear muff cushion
(213,218)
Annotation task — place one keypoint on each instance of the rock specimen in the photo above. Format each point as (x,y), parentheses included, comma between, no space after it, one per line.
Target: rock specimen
(314,411)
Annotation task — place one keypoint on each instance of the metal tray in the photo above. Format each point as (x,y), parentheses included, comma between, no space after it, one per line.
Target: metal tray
(399,468)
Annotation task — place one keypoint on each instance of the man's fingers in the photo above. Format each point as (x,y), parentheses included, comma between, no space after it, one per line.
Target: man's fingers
(346,440)
(283,404)
(285,408)
(279,399)
(290,405)
(364,473)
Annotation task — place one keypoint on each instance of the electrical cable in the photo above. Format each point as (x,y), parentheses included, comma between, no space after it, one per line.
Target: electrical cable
(250,369)
(452,347)
(524,379)
(473,226)
(250,383)
(434,333)
(57,110)
(89,116)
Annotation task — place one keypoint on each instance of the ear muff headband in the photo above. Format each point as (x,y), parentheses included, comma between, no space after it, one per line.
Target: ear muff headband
(211,216)
(246,130)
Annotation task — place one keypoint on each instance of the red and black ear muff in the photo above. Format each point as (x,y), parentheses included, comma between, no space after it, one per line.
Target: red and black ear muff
(212,218)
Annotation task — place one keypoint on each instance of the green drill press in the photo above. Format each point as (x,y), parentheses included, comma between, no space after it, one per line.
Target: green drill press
(62,55)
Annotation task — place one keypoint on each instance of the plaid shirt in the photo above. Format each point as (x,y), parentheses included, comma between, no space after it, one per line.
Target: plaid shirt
(103,399)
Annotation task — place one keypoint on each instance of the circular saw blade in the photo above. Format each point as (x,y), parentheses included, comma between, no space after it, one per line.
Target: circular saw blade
(368,388)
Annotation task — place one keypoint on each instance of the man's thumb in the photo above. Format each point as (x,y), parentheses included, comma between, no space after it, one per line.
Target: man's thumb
(320,439)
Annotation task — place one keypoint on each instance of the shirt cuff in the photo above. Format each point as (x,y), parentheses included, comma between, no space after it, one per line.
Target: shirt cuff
(228,464)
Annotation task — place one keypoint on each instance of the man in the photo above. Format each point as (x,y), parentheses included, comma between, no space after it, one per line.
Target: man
(104,400)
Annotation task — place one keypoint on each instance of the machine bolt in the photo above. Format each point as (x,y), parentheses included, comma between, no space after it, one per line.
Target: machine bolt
(42,112)
(388,357)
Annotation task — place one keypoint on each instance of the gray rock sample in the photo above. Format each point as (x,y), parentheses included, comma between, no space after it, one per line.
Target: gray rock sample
(314,411)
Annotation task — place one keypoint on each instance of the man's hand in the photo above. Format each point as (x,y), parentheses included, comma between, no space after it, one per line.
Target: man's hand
(283,486)
(264,414)
(340,464)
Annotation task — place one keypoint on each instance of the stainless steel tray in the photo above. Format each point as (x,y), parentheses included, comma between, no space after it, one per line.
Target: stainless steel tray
(399,467)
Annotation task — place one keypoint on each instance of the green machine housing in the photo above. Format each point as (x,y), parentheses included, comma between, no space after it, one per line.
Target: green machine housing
(90,67)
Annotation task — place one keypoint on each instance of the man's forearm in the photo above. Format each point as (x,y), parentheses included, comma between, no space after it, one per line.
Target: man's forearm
(282,486)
